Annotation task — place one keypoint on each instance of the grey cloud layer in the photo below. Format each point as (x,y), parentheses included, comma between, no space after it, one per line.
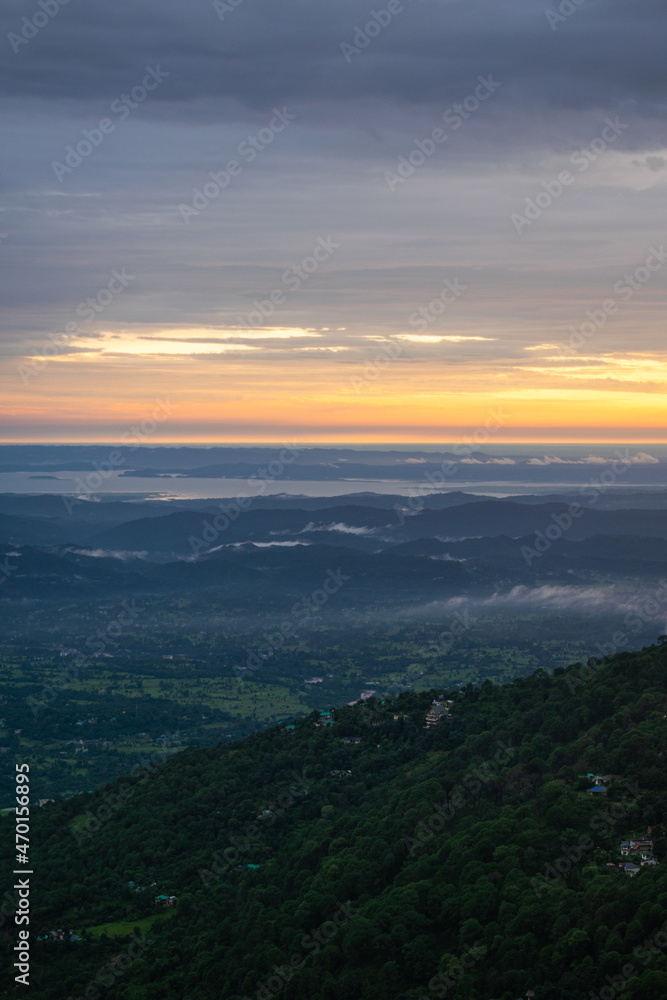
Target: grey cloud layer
(325,174)
(607,52)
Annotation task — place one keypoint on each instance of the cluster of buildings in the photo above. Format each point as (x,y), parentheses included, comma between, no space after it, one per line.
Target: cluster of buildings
(641,850)
(58,935)
(599,782)
(638,851)
(438,710)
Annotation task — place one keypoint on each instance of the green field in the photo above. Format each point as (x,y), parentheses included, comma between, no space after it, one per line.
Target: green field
(112,714)
(123,928)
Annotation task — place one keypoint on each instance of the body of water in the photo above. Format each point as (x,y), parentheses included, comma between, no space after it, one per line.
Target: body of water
(179,488)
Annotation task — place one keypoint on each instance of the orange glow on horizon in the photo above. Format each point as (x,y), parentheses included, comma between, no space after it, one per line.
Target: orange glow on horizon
(365,438)
(419,394)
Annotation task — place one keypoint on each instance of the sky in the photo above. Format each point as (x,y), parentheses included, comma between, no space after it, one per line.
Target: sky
(348,222)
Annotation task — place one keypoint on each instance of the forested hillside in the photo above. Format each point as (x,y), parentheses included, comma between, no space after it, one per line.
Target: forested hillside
(373,858)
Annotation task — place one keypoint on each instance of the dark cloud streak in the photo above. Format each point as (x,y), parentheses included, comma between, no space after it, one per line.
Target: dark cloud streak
(607,53)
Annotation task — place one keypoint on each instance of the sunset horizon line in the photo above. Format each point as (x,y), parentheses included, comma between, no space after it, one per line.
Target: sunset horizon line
(317,443)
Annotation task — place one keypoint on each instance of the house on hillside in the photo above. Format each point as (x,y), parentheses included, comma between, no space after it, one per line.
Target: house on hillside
(437,711)
(637,845)
(597,790)
(600,779)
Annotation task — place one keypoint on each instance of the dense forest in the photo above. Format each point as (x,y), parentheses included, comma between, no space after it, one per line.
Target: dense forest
(361,854)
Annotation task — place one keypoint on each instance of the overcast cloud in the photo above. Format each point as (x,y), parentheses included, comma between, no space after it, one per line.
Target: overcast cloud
(318,132)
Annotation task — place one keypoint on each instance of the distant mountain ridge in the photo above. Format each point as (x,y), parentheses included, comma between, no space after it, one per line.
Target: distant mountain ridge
(403,552)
